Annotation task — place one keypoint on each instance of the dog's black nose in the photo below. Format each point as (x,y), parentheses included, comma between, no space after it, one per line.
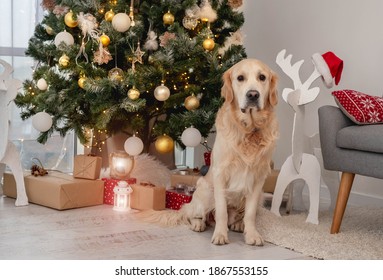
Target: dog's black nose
(252,95)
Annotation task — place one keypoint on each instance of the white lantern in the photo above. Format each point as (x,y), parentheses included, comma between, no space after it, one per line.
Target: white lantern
(161,93)
(42,84)
(42,121)
(121,22)
(65,37)
(191,137)
(122,196)
(120,165)
(133,146)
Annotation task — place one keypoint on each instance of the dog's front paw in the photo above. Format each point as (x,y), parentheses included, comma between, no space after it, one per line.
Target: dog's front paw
(237,226)
(219,239)
(197,225)
(253,238)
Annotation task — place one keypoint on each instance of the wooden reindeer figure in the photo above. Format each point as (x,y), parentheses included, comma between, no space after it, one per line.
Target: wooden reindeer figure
(8,151)
(300,165)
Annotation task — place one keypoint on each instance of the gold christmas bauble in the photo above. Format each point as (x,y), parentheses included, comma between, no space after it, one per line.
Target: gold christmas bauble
(81,82)
(64,60)
(161,93)
(105,40)
(164,144)
(49,30)
(208,44)
(133,93)
(69,20)
(116,74)
(109,15)
(191,102)
(168,18)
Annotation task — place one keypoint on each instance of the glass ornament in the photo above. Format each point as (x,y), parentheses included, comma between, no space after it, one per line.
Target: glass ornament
(65,37)
(168,18)
(116,74)
(164,144)
(69,20)
(191,137)
(121,22)
(42,121)
(133,146)
(208,44)
(161,93)
(42,84)
(191,102)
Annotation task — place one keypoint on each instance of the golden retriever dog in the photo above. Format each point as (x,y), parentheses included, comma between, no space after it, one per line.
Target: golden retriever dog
(247,129)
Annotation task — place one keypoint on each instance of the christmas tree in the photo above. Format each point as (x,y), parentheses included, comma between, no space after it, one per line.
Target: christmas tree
(144,68)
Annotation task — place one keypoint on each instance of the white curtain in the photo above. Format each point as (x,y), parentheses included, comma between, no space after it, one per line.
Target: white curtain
(17,24)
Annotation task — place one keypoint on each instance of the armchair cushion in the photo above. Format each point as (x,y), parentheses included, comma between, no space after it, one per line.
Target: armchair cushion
(331,121)
(361,108)
(366,138)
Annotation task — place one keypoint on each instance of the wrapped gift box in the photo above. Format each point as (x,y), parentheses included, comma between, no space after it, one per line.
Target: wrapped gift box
(271,181)
(57,190)
(109,185)
(185,177)
(178,196)
(87,167)
(147,196)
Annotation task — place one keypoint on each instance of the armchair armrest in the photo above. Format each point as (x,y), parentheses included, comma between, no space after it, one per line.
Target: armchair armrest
(331,120)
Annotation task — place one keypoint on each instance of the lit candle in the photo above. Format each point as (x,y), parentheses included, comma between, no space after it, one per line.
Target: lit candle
(120,164)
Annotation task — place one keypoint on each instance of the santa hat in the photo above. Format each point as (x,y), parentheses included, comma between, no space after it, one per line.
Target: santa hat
(329,66)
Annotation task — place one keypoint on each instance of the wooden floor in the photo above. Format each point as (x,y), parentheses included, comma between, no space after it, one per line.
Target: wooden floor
(98,233)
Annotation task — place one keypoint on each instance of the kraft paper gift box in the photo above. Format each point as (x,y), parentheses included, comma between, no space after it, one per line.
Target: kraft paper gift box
(147,196)
(271,181)
(178,196)
(57,190)
(186,177)
(109,186)
(87,167)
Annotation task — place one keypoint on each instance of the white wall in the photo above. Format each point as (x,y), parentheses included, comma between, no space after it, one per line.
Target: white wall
(351,29)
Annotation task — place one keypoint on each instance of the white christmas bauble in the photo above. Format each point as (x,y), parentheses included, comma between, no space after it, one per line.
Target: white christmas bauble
(42,121)
(121,22)
(191,137)
(133,146)
(65,37)
(161,93)
(42,84)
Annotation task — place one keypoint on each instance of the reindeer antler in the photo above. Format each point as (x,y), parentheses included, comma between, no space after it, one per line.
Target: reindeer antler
(307,95)
(290,70)
(7,70)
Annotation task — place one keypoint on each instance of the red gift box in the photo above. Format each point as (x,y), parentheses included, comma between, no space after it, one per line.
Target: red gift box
(109,185)
(176,198)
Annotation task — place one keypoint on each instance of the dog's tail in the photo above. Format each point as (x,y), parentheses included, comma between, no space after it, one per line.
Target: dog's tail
(166,217)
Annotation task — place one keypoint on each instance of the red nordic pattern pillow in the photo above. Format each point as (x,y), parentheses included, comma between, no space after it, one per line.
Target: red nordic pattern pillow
(361,108)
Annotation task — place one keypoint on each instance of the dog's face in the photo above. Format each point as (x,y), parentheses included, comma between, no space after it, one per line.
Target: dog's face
(250,84)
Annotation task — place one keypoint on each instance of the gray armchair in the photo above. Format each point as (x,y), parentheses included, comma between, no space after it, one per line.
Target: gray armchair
(351,149)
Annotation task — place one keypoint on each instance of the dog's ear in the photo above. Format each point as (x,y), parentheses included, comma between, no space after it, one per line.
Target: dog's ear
(273,93)
(227,89)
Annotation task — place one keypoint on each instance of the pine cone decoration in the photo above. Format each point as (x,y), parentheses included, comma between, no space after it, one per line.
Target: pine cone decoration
(37,170)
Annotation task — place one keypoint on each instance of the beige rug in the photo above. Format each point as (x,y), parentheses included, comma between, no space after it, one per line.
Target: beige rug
(361,235)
